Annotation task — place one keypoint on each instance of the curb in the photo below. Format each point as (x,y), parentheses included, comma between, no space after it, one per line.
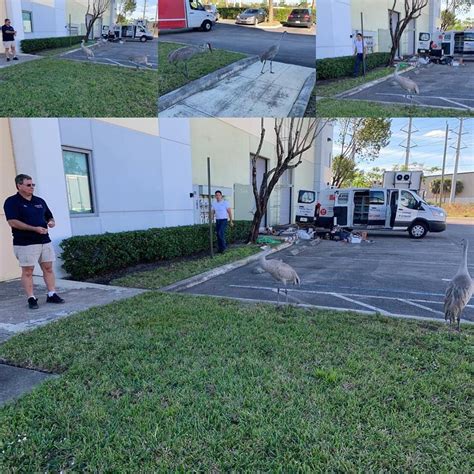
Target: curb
(301,103)
(203,277)
(74,285)
(171,98)
(362,87)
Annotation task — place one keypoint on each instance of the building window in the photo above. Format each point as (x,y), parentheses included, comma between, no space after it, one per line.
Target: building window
(78,181)
(27,22)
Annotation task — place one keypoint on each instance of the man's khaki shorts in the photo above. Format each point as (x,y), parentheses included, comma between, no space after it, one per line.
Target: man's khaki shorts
(30,255)
(8,44)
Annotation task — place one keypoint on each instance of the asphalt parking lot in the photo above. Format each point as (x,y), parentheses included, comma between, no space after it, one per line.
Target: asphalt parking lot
(394,275)
(116,54)
(440,86)
(298,30)
(295,48)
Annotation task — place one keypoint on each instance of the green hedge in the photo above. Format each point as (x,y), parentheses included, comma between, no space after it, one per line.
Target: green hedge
(40,44)
(230,13)
(332,68)
(87,256)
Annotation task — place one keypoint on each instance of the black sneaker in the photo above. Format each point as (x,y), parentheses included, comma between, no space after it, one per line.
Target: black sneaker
(32,303)
(54,299)
(15,59)
(8,59)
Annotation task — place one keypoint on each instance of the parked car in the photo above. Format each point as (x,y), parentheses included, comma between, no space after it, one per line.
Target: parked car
(251,16)
(212,9)
(300,17)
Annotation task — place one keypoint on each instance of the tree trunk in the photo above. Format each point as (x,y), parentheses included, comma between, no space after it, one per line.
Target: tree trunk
(90,27)
(270,10)
(257,219)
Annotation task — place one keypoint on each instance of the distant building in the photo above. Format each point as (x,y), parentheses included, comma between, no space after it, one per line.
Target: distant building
(467,195)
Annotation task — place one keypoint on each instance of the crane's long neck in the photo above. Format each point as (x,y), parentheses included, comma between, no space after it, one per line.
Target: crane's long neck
(463,266)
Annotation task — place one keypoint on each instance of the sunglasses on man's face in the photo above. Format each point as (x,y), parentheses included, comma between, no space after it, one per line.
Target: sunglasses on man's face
(31,185)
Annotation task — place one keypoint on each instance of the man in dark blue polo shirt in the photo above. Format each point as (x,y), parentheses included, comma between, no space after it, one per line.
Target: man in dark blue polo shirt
(29,217)
(8,38)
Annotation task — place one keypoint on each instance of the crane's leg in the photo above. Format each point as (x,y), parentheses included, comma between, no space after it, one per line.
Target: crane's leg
(278,296)
(264,62)
(186,72)
(286,293)
(271,64)
(459,323)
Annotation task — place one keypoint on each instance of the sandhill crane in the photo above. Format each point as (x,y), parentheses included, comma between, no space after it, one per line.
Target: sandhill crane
(184,54)
(459,290)
(281,272)
(88,51)
(405,83)
(270,54)
(140,61)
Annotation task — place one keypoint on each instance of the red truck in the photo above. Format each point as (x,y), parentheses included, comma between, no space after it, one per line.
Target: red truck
(180,14)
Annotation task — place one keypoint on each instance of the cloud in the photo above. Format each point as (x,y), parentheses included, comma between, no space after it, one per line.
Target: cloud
(435,134)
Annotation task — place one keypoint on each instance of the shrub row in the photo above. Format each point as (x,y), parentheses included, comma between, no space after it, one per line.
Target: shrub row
(40,44)
(88,256)
(230,13)
(333,68)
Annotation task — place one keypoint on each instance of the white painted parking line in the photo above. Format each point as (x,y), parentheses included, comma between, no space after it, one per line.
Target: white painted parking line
(331,308)
(365,305)
(421,306)
(455,103)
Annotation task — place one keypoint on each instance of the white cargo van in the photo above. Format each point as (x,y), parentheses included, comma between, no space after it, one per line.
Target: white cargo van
(371,209)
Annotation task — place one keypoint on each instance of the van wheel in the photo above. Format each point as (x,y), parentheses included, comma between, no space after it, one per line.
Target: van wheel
(143,39)
(206,26)
(418,230)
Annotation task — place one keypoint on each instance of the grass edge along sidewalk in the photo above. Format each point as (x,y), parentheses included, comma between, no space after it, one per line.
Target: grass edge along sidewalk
(167,381)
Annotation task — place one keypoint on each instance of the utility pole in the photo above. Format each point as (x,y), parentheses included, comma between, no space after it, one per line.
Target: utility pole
(441,189)
(209,204)
(363,42)
(452,196)
(144,11)
(409,145)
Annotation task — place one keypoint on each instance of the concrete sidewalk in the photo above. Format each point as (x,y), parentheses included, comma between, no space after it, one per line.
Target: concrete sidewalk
(16,317)
(248,93)
(22,58)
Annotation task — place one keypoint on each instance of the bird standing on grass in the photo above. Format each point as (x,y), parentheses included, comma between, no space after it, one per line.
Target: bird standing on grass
(184,54)
(270,54)
(281,272)
(459,290)
(405,83)
(89,53)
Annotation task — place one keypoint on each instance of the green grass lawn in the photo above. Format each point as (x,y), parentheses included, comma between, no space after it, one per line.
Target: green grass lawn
(330,106)
(173,272)
(167,382)
(52,87)
(172,77)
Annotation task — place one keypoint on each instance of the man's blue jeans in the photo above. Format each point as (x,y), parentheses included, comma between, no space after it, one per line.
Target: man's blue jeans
(221,226)
(359,61)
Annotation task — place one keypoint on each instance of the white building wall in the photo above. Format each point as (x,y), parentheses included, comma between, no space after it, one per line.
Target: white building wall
(176,162)
(127,175)
(333,29)
(324,156)
(48,18)
(37,151)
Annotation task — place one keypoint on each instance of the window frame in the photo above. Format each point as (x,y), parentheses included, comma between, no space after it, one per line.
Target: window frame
(92,187)
(23,21)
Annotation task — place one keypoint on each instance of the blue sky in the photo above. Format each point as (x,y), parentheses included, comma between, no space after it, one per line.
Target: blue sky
(150,9)
(430,144)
